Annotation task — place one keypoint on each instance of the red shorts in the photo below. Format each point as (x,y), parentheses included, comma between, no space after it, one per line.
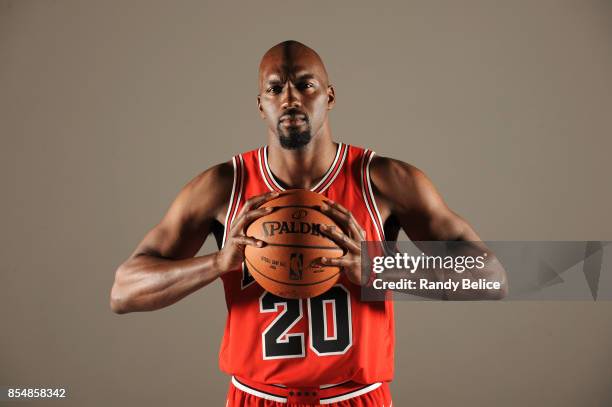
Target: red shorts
(243,393)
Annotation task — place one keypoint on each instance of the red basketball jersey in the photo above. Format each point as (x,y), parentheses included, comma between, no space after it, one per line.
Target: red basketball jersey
(328,339)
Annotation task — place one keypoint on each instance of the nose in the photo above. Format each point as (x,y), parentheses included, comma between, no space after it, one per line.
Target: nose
(290,97)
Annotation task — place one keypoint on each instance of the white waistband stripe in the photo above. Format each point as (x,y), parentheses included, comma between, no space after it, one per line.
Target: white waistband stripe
(256,392)
(327,400)
(351,394)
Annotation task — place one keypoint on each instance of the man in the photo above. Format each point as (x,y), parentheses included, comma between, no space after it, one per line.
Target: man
(280,351)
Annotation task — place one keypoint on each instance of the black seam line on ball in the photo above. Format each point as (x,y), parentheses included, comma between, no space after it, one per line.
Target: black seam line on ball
(292,206)
(303,246)
(286,283)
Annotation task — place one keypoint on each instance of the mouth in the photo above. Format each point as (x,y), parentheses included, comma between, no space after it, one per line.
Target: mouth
(293,119)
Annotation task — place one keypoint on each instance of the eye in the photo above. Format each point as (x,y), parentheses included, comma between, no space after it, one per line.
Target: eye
(274,89)
(305,85)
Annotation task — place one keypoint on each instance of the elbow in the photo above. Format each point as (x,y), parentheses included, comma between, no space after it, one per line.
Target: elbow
(117,302)
(498,275)
(116,305)
(118,298)
(499,293)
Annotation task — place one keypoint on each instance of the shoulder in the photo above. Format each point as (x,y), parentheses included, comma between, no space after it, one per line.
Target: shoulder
(386,170)
(402,186)
(218,177)
(206,195)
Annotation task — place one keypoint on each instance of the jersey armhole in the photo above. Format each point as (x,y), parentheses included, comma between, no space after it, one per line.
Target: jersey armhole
(232,207)
(368,193)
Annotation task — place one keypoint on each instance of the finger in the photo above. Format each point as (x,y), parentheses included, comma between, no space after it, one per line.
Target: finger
(355,229)
(337,206)
(337,261)
(266,198)
(340,238)
(258,200)
(247,217)
(340,218)
(352,222)
(248,241)
(348,215)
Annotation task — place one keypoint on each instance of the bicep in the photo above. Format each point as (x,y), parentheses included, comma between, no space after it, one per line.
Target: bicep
(419,208)
(180,234)
(173,240)
(441,224)
(188,221)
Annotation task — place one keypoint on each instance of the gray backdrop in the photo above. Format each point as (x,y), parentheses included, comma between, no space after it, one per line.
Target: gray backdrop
(107,108)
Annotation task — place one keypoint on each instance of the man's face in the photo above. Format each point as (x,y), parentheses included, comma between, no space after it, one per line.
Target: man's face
(294,95)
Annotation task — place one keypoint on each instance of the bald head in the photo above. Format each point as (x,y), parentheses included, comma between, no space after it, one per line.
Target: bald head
(294,94)
(290,58)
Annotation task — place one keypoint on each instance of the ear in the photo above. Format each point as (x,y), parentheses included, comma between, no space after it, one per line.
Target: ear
(331,97)
(261,112)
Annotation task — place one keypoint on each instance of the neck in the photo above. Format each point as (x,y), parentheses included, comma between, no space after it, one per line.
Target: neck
(302,168)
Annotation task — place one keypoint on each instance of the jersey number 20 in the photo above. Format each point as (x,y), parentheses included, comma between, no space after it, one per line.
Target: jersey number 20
(277,343)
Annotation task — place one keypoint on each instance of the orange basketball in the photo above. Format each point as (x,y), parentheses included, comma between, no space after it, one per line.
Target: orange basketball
(287,265)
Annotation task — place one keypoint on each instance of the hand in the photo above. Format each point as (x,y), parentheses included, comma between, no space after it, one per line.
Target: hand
(232,255)
(349,238)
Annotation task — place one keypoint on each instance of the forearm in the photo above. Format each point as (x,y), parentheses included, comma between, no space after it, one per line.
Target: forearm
(147,283)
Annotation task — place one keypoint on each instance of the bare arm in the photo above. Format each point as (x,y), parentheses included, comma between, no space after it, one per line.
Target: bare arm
(409,198)
(162,269)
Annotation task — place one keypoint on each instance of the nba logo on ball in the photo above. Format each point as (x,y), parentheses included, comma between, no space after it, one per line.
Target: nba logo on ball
(296,265)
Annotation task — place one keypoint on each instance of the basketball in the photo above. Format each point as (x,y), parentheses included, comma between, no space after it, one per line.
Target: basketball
(287,265)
